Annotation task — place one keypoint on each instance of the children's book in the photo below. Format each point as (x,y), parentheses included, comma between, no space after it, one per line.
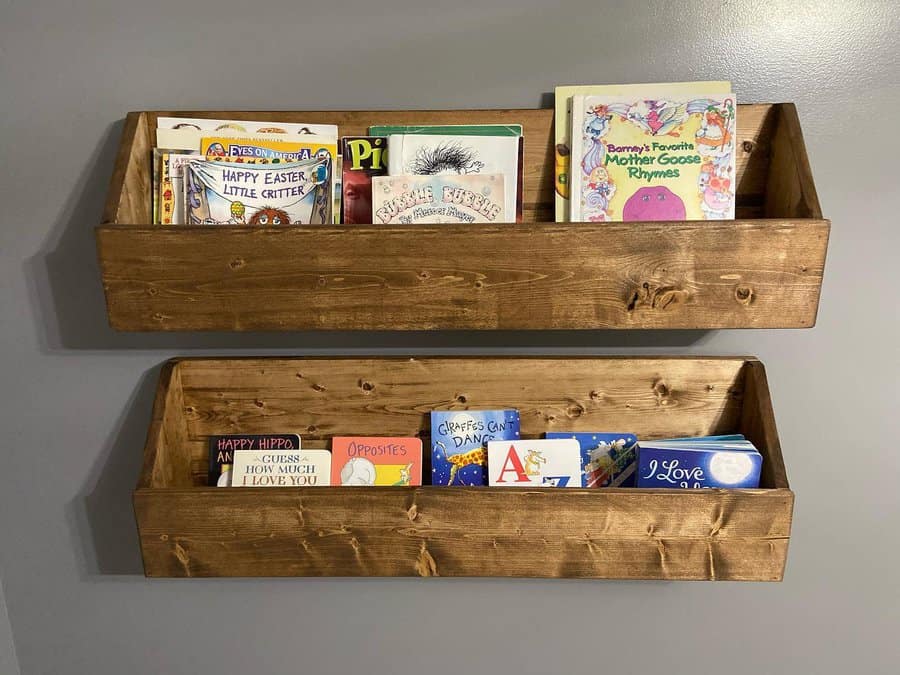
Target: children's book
(227,193)
(221,451)
(161,157)
(171,186)
(459,443)
(450,198)
(607,459)
(448,129)
(540,463)
(362,158)
(653,159)
(245,127)
(429,155)
(698,464)
(563,121)
(376,460)
(281,468)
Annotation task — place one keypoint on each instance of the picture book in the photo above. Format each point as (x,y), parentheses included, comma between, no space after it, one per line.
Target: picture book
(607,459)
(245,127)
(160,175)
(563,121)
(653,159)
(444,198)
(221,451)
(428,155)
(376,460)
(698,464)
(257,194)
(281,468)
(459,443)
(171,187)
(540,463)
(448,129)
(362,158)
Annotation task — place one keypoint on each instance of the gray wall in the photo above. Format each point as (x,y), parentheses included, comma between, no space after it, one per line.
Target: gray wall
(76,399)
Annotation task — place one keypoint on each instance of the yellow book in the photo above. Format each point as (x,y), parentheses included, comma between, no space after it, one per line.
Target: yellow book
(563,120)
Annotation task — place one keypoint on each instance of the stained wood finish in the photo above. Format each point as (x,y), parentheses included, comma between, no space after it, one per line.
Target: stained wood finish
(437,531)
(748,273)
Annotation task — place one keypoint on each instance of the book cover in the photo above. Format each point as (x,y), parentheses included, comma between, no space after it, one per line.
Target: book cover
(450,198)
(376,460)
(459,443)
(537,462)
(716,464)
(362,158)
(221,450)
(563,121)
(245,127)
(653,159)
(171,186)
(607,459)
(281,468)
(428,155)
(448,129)
(218,193)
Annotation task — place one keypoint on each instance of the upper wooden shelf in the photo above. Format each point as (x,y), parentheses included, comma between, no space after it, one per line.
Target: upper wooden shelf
(762,270)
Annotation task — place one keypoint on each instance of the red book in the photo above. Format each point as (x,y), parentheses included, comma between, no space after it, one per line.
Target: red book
(376,460)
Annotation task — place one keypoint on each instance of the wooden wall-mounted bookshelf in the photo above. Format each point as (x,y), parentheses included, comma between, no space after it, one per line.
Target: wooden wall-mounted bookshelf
(190,530)
(762,270)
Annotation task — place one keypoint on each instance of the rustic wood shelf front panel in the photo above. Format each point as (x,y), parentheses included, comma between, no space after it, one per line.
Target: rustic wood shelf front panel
(187,529)
(762,270)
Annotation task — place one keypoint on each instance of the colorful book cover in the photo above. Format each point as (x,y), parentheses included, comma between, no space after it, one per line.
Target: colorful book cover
(459,443)
(450,198)
(281,468)
(376,460)
(537,462)
(563,121)
(653,159)
(171,187)
(226,193)
(362,158)
(221,451)
(161,180)
(716,464)
(245,126)
(429,155)
(607,459)
(448,129)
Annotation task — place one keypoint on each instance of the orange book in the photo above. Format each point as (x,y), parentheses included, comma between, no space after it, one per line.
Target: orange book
(376,460)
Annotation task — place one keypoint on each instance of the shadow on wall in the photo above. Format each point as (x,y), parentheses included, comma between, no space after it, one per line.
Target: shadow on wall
(101,518)
(67,295)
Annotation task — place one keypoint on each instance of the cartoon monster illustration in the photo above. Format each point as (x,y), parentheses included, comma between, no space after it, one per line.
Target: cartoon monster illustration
(268,215)
(444,158)
(716,202)
(653,202)
(533,461)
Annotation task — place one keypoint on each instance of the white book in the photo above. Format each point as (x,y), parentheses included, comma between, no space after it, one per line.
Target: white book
(534,463)
(424,154)
(246,126)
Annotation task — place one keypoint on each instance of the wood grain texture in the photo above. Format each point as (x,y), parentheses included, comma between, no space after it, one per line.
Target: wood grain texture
(738,274)
(535,275)
(437,531)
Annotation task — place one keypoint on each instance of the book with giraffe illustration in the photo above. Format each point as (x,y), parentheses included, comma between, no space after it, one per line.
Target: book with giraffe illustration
(459,443)
(376,460)
(541,462)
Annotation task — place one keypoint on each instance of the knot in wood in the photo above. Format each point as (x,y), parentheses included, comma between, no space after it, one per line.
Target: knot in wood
(574,410)
(662,392)
(367,387)
(152,290)
(319,387)
(743,294)
(748,146)
(659,297)
(237,263)
(461,398)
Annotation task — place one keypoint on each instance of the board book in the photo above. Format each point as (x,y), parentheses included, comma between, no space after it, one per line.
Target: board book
(459,443)
(607,459)
(536,462)
(376,460)
(363,157)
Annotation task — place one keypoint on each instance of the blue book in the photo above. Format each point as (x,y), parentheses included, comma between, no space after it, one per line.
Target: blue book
(459,443)
(724,464)
(607,459)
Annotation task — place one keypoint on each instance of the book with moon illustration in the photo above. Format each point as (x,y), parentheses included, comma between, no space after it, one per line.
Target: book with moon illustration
(607,459)
(376,460)
(222,449)
(447,154)
(362,158)
(459,443)
(541,462)
(281,468)
(563,121)
(227,193)
(698,464)
(657,158)
(444,198)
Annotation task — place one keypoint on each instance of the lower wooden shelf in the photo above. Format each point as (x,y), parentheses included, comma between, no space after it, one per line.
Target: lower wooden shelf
(189,530)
